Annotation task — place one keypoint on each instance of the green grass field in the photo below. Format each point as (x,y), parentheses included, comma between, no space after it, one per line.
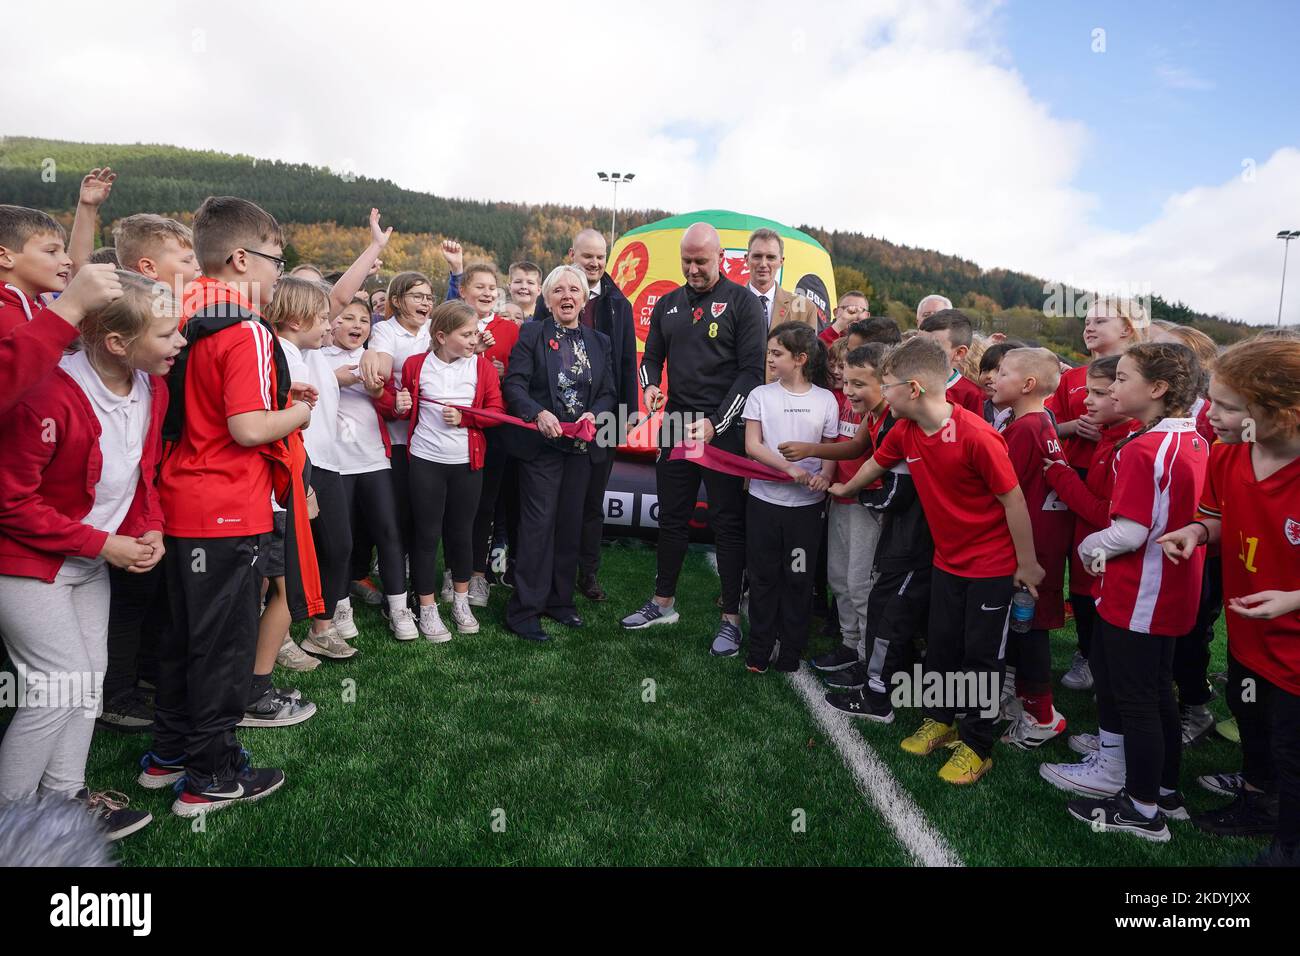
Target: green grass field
(494,751)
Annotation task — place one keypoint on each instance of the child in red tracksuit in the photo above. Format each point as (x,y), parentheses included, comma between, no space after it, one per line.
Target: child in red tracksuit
(77,494)
(1024,378)
(447,455)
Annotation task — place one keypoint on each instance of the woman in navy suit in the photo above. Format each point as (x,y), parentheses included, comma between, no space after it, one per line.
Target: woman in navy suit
(560,371)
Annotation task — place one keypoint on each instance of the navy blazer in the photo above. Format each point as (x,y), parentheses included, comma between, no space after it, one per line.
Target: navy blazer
(529,387)
(613,316)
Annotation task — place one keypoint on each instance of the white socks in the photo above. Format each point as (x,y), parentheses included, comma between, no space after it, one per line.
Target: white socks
(396,602)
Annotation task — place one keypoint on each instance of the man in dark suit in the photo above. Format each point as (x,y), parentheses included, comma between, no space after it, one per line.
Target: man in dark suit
(608,311)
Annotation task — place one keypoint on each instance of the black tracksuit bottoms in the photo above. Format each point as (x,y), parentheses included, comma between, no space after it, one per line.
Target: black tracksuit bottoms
(677,484)
(968,637)
(782,543)
(1137,672)
(1192,650)
(205,659)
(137,613)
(1269,720)
(898,611)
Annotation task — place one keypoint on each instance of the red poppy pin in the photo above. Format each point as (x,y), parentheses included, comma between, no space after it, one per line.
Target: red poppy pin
(698,314)
(554,345)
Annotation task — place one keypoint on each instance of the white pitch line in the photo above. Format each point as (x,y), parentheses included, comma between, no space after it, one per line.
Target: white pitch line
(926,845)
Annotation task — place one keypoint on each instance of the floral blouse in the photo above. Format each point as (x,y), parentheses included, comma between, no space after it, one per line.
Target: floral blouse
(573,382)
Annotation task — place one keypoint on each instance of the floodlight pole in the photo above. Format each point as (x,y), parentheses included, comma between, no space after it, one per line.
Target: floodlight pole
(1286,235)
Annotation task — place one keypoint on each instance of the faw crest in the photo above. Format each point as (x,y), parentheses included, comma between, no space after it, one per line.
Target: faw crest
(718,308)
(1292,529)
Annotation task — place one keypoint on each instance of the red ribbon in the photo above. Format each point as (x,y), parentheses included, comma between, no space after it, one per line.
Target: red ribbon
(715,459)
(584,430)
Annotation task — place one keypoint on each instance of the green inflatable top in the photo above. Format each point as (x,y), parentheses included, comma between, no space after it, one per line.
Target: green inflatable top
(725,219)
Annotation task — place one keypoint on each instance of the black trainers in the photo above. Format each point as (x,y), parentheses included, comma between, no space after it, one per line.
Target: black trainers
(276,710)
(1118,815)
(130,712)
(843,656)
(650,615)
(1224,784)
(158,772)
(1252,813)
(247,786)
(1173,807)
(862,703)
(111,811)
(853,677)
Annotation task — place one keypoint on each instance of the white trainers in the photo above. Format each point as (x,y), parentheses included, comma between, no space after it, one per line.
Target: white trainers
(1085,743)
(1028,734)
(402,623)
(431,625)
(478,591)
(463,617)
(1079,676)
(1096,775)
(343,622)
(328,644)
(291,657)
(448,589)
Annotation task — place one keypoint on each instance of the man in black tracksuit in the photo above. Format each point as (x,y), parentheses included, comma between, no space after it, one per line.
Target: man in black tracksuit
(711,333)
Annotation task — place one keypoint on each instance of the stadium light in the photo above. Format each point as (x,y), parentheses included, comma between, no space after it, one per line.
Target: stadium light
(1286,235)
(615,179)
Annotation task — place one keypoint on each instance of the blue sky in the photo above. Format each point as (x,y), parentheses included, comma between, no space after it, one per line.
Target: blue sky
(1182,94)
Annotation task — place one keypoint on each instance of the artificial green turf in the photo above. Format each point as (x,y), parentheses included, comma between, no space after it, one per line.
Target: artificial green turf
(557,736)
(583,770)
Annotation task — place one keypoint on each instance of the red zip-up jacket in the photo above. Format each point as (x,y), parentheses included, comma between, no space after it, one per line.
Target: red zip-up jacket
(487,394)
(32,340)
(48,472)
(1090,500)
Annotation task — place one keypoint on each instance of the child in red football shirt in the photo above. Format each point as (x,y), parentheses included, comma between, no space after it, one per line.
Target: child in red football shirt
(983,548)
(1192,651)
(234,421)
(1250,506)
(1110,326)
(1142,603)
(77,495)
(953,330)
(1025,377)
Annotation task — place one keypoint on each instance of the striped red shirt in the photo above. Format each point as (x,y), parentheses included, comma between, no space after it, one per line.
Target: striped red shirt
(1158,480)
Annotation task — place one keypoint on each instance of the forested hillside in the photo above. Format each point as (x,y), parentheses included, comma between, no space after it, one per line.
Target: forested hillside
(325,212)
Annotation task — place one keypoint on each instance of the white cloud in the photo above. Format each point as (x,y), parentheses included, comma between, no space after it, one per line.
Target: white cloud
(903,120)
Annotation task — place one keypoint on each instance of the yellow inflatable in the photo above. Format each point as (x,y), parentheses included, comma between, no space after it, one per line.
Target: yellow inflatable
(646,264)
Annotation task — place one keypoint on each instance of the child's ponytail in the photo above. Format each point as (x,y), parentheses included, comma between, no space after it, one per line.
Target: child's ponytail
(1174,364)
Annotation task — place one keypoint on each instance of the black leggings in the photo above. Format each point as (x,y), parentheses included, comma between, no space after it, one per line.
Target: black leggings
(444,499)
(1137,671)
(1085,621)
(782,544)
(370,501)
(1268,717)
(1192,651)
(331,533)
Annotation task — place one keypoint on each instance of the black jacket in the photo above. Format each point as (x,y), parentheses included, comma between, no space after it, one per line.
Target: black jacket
(713,345)
(613,316)
(905,542)
(529,387)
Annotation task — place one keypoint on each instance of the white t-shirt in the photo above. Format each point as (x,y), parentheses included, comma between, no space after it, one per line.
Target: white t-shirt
(454,384)
(123,423)
(320,437)
(360,447)
(813,416)
(389,337)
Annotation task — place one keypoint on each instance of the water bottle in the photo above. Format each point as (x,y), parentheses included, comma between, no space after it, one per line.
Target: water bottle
(1022,610)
